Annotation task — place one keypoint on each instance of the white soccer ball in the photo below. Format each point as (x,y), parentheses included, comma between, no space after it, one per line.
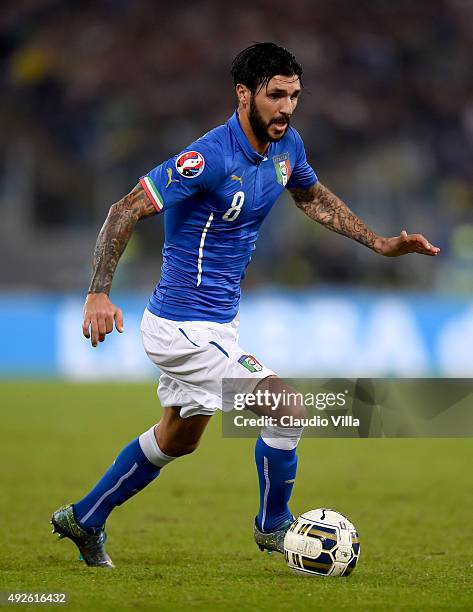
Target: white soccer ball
(322,542)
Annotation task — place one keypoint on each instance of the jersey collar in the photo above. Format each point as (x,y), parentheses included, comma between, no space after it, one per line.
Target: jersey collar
(243,141)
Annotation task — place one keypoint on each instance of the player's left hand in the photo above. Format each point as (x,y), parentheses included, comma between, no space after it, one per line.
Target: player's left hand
(403,244)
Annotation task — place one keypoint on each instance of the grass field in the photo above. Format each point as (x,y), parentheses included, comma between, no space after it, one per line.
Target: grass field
(186,541)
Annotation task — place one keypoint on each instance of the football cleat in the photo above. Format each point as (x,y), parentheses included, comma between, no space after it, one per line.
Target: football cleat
(91,546)
(273,540)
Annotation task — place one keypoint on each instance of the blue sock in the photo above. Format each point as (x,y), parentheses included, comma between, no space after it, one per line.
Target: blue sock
(276,473)
(130,472)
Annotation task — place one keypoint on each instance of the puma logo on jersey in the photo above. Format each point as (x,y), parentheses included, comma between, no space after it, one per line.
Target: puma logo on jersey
(234,177)
(170,179)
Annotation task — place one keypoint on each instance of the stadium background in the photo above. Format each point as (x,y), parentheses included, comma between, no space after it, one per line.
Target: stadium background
(96,93)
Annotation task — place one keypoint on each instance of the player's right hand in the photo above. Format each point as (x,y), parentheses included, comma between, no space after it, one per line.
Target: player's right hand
(99,316)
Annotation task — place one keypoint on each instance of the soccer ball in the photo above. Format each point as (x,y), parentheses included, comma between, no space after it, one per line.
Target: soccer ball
(322,542)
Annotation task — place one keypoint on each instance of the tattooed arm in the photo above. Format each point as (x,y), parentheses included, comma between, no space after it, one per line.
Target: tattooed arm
(99,312)
(320,204)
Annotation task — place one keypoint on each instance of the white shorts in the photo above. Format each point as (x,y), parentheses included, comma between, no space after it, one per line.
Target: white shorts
(194,357)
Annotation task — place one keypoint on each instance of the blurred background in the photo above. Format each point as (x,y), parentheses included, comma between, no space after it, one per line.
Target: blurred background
(96,93)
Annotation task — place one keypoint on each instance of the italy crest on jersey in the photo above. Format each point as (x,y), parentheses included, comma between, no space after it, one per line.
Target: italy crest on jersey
(190,164)
(282,166)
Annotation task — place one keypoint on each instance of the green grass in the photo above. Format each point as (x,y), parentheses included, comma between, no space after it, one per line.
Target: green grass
(186,541)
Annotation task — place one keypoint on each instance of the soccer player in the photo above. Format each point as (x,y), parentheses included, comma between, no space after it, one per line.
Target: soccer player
(214,196)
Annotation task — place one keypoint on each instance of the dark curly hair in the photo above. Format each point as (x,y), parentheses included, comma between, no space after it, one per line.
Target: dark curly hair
(256,65)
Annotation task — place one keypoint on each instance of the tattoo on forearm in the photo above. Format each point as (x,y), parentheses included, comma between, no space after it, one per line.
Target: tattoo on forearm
(114,237)
(320,204)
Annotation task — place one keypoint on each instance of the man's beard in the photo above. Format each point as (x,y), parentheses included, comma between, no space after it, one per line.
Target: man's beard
(260,127)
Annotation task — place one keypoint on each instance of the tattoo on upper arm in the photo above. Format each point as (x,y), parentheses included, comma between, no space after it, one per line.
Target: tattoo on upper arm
(320,204)
(114,236)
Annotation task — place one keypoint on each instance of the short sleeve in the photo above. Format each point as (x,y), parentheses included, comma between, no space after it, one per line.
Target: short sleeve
(197,169)
(302,175)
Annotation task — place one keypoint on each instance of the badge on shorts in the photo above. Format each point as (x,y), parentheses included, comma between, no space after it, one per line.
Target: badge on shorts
(250,363)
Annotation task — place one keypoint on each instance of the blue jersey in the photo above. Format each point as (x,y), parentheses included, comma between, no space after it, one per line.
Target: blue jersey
(215,195)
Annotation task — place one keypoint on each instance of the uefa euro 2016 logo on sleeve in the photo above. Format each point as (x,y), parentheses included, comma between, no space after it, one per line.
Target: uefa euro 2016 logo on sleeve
(190,164)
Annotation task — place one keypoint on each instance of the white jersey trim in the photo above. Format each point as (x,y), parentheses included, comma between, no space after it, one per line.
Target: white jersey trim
(201,248)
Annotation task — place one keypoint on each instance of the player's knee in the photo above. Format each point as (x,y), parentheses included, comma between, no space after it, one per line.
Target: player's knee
(179,448)
(298,412)
(295,410)
(188,447)
(292,404)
